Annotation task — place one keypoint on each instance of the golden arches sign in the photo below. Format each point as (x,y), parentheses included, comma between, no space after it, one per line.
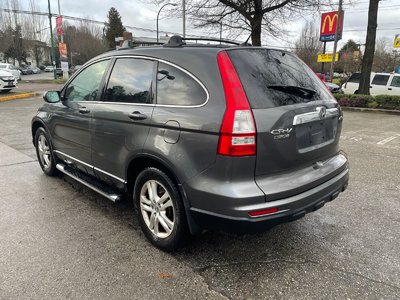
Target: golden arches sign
(331,22)
(328,26)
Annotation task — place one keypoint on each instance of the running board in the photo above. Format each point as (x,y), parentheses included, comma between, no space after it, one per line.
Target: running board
(89,182)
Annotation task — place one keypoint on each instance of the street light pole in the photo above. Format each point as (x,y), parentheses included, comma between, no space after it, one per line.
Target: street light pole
(52,42)
(158,14)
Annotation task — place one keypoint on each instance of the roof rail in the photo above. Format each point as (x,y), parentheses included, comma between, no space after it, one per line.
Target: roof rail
(178,41)
(132,44)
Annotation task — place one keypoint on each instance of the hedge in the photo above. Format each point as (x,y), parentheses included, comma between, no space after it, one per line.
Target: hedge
(380,101)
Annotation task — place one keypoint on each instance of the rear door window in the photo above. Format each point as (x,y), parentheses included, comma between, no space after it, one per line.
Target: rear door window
(130,81)
(395,81)
(380,79)
(274,78)
(176,87)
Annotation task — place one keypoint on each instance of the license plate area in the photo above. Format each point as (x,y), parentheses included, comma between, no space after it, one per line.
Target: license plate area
(10,83)
(314,135)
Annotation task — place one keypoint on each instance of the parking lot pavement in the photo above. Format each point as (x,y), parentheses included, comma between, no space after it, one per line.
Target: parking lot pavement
(59,239)
(40,76)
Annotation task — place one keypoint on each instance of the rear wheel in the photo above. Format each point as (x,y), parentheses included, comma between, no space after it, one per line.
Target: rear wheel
(44,152)
(160,209)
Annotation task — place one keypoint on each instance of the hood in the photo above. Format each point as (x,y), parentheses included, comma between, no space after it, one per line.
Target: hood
(5,73)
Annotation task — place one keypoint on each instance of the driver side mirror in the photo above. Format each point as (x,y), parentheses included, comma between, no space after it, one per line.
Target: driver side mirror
(52,97)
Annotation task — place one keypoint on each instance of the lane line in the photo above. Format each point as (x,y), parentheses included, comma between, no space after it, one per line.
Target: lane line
(387,140)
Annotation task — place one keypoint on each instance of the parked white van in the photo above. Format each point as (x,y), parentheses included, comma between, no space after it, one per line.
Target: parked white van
(381,84)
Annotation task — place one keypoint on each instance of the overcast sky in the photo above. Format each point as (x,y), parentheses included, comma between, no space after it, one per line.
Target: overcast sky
(139,14)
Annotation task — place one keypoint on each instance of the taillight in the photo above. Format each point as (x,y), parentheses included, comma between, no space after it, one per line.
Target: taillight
(238,131)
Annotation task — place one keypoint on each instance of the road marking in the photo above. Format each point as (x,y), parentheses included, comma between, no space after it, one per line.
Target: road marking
(356,139)
(387,140)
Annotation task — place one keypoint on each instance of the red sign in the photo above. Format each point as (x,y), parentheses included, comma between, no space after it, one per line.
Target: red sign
(328,26)
(59,26)
(63,51)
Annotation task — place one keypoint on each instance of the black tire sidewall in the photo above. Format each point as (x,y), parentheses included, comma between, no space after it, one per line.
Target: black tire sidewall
(52,171)
(179,233)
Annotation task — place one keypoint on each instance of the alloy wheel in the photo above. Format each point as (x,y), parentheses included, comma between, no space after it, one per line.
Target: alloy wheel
(157,208)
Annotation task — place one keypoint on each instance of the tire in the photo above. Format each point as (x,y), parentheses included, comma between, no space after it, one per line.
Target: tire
(356,92)
(162,218)
(44,152)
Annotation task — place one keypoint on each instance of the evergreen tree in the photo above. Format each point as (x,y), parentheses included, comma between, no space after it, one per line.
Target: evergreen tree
(114,27)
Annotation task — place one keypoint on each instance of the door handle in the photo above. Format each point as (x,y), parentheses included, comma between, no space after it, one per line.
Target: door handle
(389,89)
(84,110)
(136,115)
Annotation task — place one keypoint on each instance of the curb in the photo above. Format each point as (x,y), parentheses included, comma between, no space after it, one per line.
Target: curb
(18,96)
(373,110)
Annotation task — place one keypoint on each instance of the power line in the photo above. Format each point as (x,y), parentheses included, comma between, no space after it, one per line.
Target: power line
(28,12)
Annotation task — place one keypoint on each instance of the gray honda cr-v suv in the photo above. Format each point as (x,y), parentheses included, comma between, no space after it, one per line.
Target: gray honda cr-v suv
(233,138)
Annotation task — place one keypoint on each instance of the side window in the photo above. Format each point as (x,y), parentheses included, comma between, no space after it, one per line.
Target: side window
(85,86)
(130,81)
(395,81)
(175,87)
(380,79)
(355,77)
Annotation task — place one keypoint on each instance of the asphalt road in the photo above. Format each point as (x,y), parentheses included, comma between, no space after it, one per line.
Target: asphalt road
(59,239)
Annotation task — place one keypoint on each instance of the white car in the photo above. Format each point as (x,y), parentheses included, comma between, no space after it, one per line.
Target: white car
(7,81)
(380,84)
(12,69)
(49,69)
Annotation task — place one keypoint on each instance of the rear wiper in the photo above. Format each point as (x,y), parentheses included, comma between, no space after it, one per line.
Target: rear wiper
(295,90)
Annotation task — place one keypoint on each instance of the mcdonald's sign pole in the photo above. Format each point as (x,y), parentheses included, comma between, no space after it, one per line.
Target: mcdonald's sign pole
(339,21)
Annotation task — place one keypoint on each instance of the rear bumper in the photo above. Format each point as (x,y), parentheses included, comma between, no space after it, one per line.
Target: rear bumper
(289,209)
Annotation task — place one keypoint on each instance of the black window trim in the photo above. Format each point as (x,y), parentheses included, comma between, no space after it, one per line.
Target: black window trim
(154,95)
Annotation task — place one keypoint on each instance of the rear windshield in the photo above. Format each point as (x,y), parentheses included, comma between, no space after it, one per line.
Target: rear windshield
(355,78)
(274,78)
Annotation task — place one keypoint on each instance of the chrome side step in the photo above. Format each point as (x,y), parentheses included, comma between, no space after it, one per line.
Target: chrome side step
(90,183)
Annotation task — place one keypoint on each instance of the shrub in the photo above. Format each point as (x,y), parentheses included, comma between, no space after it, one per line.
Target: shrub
(381,101)
(388,102)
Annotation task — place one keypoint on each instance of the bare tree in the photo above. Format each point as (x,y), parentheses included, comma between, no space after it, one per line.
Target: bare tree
(247,16)
(308,45)
(383,58)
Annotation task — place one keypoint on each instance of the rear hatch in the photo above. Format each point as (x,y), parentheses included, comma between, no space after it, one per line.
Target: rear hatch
(298,120)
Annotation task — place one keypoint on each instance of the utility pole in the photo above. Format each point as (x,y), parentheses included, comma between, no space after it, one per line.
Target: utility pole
(53,53)
(338,22)
(184,17)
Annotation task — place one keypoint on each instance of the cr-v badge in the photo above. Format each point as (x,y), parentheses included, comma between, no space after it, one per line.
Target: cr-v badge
(281,133)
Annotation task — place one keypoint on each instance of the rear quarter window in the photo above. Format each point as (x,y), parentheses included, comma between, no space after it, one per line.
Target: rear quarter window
(260,69)
(176,87)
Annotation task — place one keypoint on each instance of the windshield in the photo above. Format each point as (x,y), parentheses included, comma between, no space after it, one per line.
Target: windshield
(3,66)
(274,78)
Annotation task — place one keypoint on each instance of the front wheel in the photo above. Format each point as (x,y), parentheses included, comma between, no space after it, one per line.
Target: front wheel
(160,209)
(44,153)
